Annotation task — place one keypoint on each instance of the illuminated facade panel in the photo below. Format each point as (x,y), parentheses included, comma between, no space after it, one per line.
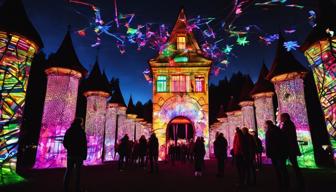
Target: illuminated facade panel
(110,133)
(16,54)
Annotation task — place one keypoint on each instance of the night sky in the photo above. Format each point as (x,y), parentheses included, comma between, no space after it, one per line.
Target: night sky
(51,18)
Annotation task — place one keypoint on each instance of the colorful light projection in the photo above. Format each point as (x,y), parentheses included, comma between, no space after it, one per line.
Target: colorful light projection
(322,58)
(122,124)
(58,113)
(110,131)
(234,121)
(264,110)
(130,120)
(290,92)
(180,106)
(16,54)
(248,116)
(95,125)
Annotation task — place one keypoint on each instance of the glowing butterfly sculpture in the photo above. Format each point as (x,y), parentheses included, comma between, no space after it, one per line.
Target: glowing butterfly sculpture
(291,45)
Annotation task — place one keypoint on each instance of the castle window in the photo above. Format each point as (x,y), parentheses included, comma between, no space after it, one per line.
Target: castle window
(199,81)
(161,84)
(181,43)
(180,83)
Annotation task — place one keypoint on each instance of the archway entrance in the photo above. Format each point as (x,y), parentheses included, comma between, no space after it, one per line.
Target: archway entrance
(180,130)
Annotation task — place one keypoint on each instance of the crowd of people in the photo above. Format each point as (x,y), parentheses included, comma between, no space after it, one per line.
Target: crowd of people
(280,144)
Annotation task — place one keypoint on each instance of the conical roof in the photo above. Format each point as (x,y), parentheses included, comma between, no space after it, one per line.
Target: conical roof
(117,96)
(14,20)
(139,110)
(66,56)
(96,81)
(246,89)
(284,62)
(130,107)
(233,105)
(221,112)
(326,18)
(262,85)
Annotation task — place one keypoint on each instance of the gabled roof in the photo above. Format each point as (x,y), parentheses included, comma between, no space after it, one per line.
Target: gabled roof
(262,85)
(192,51)
(284,62)
(130,107)
(96,81)
(14,19)
(117,96)
(66,56)
(246,89)
(326,18)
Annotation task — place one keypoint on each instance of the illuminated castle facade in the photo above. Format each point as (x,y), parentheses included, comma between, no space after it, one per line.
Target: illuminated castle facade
(19,42)
(64,72)
(180,90)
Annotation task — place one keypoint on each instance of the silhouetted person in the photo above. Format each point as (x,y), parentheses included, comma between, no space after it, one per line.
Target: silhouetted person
(199,151)
(289,131)
(239,156)
(123,148)
(276,151)
(76,145)
(249,154)
(220,149)
(153,149)
(259,151)
(142,150)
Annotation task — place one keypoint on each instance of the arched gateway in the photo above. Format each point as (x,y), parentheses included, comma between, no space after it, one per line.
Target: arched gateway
(180,89)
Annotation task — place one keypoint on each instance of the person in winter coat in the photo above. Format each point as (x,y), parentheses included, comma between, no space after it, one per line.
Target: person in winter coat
(289,131)
(220,149)
(76,145)
(199,152)
(276,151)
(153,148)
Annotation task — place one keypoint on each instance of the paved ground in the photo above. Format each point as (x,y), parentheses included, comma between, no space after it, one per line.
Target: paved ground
(170,178)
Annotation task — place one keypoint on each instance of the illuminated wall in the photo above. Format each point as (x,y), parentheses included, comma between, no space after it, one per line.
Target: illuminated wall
(234,120)
(110,131)
(291,100)
(322,59)
(176,106)
(248,115)
(122,124)
(16,54)
(264,110)
(58,113)
(94,126)
(130,121)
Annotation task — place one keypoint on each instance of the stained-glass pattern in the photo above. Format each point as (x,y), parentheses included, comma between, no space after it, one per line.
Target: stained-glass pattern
(180,83)
(180,106)
(94,126)
(16,54)
(248,116)
(264,110)
(58,113)
(291,100)
(322,58)
(110,132)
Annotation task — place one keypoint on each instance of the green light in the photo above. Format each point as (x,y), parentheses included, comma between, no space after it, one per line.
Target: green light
(181,59)
(9,177)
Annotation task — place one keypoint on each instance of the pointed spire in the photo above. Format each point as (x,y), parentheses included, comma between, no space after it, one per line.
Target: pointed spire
(326,18)
(130,107)
(117,96)
(66,56)
(14,19)
(221,112)
(96,80)
(232,105)
(262,85)
(247,87)
(284,61)
(139,109)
